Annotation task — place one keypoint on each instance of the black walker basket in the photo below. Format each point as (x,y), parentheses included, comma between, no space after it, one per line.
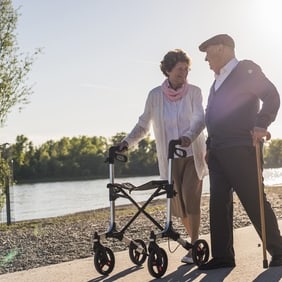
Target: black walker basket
(157,261)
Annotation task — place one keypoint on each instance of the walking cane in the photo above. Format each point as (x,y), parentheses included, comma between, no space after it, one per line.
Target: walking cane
(261,194)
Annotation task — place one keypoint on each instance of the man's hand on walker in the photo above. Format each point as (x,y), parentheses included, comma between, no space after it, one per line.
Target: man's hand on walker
(258,134)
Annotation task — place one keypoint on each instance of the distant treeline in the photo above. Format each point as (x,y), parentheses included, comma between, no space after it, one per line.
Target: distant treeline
(84,158)
(76,158)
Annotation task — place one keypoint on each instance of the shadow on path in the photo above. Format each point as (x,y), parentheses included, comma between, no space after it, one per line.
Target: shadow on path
(117,276)
(190,273)
(273,274)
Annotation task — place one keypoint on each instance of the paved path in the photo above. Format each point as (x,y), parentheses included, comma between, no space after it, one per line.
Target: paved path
(248,259)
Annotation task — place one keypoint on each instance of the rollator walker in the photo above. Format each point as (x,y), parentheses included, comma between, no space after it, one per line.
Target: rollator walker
(157,260)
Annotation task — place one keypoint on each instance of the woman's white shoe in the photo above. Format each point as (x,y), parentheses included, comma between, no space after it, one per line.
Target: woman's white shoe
(188,258)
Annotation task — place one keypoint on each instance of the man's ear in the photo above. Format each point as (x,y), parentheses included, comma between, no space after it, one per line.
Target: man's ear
(220,48)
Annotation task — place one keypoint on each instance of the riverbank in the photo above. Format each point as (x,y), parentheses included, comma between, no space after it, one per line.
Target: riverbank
(30,244)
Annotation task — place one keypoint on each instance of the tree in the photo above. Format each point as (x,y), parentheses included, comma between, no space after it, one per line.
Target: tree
(143,161)
(14,68)
(273,154)
(117,138)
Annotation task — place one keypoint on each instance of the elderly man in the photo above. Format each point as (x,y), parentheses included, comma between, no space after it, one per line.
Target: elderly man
(235,122)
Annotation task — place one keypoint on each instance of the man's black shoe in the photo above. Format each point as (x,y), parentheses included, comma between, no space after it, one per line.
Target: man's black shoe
(276,261)
(218,263)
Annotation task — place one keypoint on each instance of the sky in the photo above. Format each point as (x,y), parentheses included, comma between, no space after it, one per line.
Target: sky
(100,58)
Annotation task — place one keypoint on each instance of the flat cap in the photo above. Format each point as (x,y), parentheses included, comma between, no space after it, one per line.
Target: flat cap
(223,39)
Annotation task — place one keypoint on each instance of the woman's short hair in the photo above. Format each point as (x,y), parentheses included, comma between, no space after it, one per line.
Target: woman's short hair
(172,58)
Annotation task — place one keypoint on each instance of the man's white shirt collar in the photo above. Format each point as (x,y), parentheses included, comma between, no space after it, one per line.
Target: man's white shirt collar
(224,72)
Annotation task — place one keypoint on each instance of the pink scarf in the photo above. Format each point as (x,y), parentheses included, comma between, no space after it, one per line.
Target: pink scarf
(171,94)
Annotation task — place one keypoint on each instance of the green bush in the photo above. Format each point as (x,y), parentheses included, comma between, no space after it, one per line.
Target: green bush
(4,177)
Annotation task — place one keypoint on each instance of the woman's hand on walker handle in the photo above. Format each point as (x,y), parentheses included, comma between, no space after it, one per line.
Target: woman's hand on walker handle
(258,134)
(122,146)
(185,141)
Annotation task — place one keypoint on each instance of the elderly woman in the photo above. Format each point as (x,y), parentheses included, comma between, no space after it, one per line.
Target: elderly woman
(175,111)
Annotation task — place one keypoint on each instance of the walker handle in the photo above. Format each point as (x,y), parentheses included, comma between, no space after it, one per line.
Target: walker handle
(172,149)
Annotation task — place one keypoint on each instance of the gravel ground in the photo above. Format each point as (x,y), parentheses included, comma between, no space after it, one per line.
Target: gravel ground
(29,244)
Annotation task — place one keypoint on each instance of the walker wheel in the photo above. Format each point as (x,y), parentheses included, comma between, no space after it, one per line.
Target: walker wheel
(137,251)
(104,260)
(200,252)
(157,262)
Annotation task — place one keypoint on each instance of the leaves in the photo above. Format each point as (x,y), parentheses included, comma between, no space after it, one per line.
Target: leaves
(14,66)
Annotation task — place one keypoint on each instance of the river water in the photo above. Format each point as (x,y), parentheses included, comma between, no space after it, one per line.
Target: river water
(42,200)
